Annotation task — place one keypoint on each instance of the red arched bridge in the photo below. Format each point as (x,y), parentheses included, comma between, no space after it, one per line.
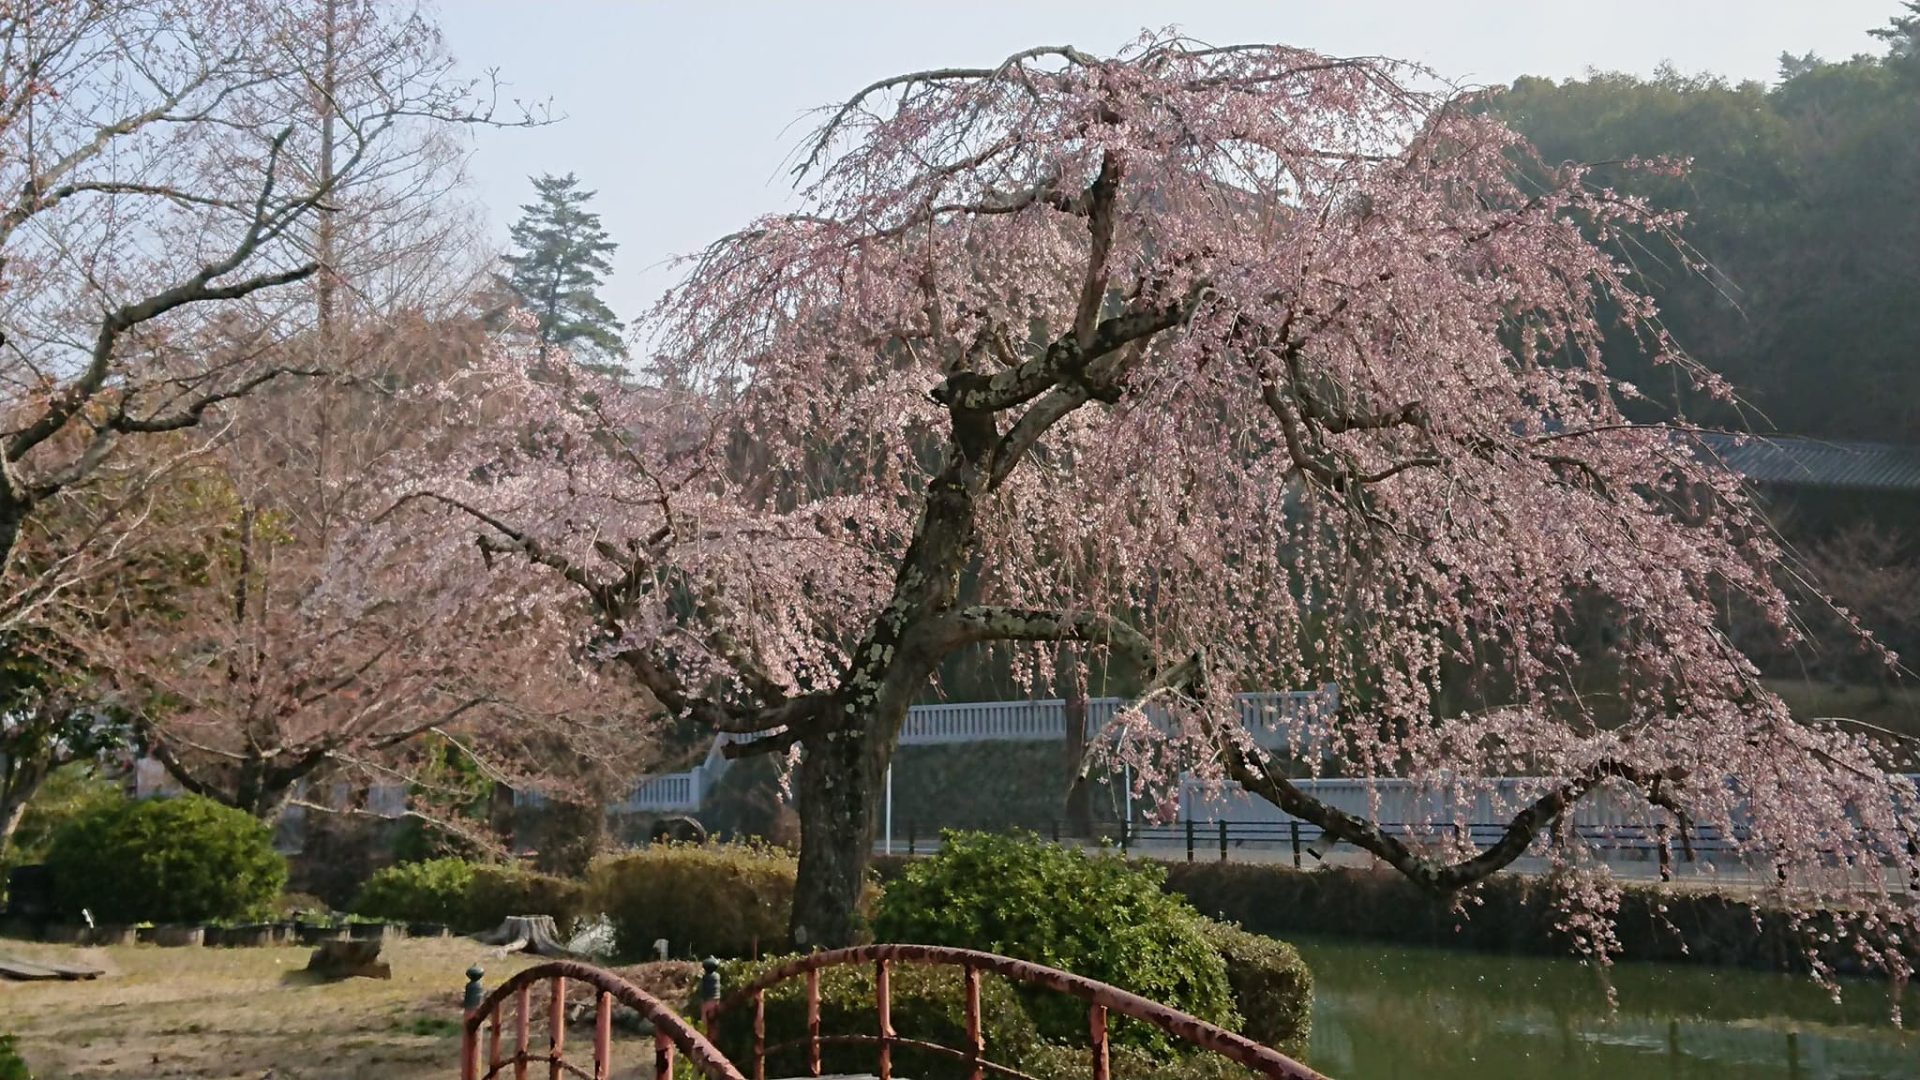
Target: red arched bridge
(485,1053)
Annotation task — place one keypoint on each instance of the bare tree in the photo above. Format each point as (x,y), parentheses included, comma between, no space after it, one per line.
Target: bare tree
(166,160)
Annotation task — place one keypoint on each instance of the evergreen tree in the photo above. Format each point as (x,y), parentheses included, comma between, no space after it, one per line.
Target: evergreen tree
(1902,33)
(559,259)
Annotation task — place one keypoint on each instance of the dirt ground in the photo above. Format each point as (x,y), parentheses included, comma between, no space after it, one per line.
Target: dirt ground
(251,1014)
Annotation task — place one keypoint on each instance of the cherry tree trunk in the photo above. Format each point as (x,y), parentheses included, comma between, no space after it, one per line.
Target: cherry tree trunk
(16,791)
(12,810)
(838,790)
(13,516)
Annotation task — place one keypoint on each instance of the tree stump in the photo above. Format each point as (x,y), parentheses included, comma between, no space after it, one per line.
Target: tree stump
(534,934)
(349,959)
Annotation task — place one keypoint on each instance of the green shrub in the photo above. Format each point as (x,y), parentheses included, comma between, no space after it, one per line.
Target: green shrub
(1272,986)
(496,892)
(434,891)
(725,900)
(467,895)
(927,1003)
(12,1066)
(185,859)
(1097,916)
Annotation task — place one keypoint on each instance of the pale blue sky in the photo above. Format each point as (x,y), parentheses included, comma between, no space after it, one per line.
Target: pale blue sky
(681,114)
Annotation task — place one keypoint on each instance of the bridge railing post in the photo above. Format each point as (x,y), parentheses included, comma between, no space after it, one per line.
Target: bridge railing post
(1189,839)
(662,1056)
(1293,834)
(883,993)
(710,998)
(1097,1030)
(603,1036)
(522,1030)
(759,1035)
(470,1031)
(1223,840)
(813,1021)
(976,1039)
(556,1027)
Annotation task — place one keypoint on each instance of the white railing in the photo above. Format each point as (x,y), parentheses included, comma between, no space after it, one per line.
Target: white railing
(984,721)
(1273,717)
(683,792)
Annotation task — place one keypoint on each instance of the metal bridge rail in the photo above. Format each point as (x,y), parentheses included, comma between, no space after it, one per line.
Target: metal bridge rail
(1102,1000)
(671,1035)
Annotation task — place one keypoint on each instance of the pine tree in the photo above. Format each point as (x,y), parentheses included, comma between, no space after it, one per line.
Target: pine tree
(1902,32)
(559,259)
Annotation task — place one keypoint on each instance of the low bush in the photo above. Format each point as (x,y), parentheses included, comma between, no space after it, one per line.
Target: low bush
(927,1003)
(434,891)
(1098,916)
(184,859)
(726,900)
(1272,986)
(12,1066)
(497,892)
(468,895)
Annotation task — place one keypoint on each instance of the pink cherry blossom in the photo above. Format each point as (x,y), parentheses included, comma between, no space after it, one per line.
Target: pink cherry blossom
(1240,369)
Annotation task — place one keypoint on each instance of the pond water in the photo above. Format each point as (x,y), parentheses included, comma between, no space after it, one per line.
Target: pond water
(1384,1012)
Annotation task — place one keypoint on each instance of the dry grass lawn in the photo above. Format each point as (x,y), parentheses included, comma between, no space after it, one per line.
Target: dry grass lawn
(251,1014)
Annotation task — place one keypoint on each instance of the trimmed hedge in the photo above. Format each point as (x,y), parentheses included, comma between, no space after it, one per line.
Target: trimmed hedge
(1272,986)
(467,895)
(928,1003)
(726,900)
(1098,916)
(499,891)
(1509,913)
(434,891)
(173,860)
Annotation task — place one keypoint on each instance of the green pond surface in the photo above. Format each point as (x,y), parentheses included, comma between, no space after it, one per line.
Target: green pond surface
(1383,1012)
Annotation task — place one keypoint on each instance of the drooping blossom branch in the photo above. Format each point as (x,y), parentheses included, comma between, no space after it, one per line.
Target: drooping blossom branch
(1248,368)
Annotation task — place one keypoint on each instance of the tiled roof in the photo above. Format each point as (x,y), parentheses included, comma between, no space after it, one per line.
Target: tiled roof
(1797,461)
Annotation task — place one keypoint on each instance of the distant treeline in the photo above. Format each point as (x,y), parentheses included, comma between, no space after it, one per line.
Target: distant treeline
(1803,199)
